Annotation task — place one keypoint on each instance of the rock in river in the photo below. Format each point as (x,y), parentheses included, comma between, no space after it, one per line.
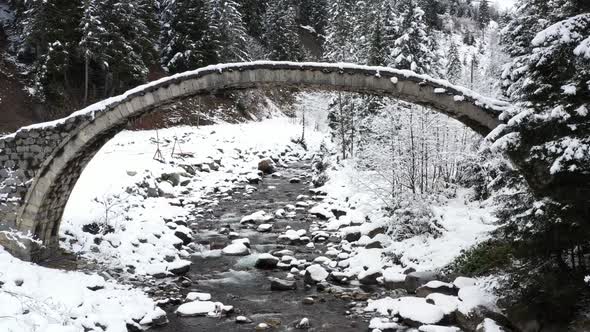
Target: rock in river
(277,284)
(266,261)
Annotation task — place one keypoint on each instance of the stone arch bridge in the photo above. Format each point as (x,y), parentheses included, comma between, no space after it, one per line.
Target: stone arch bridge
(40,164)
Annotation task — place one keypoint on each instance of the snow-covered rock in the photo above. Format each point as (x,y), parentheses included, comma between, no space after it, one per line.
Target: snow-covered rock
(264,228)
(489,325)
(436,286)
(236,249)
(202,308)
(282,285)
(194,296)
(413,311)
(315,273)
(266,261)
(461,282)
(259,216)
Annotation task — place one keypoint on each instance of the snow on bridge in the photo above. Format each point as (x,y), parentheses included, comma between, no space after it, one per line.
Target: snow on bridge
(40,164)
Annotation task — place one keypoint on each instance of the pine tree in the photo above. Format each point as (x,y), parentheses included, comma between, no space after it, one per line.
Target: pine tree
(484,14)
(413,49)
(126,59)
(48,31)
(454,67)
(185,37)
(228,31)
(314,13)
(377,47)
(547,137)
(253,16)
(92,38)
(432,8)
(339,43)
(280,32)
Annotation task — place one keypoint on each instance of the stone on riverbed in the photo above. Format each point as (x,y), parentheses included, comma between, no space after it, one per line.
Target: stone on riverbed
(277,284)
(266,261)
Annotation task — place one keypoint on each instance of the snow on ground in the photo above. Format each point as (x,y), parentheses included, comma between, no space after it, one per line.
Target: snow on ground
(138,205)
(33,298)
(370,251)
(464,223)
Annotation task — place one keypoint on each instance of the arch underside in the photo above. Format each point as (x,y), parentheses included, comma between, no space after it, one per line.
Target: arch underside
(46,199)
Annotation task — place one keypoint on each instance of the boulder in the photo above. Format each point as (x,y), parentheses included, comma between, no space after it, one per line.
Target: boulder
(186,238)
(369,277)
(377,231)
(352,236)
(375,245)
(338,213)
(180,267)
(266,166)
(173,178)
(277,284)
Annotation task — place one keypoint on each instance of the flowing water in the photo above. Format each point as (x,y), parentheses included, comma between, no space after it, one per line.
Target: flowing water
(234,280)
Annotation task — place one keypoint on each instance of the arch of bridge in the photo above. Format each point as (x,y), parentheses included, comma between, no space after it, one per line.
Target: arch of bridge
(40,164)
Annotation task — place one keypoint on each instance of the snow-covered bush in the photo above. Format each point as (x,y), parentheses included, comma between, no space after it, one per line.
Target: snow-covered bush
(413,217)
